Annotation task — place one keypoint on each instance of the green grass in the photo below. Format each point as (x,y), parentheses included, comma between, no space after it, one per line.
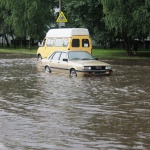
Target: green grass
(108,53)
(119,54)
(18,50)
(98,53)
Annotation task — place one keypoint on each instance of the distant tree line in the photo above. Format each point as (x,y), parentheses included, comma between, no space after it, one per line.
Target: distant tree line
(108,21)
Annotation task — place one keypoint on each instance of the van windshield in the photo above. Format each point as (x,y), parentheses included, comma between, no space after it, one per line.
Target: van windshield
(78,55)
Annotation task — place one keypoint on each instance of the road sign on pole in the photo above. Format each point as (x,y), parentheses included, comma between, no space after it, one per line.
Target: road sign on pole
(61,24)
(61,17)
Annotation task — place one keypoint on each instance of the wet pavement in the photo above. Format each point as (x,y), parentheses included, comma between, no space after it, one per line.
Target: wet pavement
(41,111)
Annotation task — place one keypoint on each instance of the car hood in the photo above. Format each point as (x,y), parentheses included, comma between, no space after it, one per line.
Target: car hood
(44,60)
(90,63)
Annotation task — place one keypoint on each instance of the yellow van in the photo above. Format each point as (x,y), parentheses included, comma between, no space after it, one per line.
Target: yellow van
(65,39)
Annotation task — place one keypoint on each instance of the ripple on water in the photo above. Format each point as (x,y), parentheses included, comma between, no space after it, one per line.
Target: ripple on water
(53,111)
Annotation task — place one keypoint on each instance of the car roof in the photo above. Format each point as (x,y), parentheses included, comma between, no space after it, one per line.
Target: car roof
(69,51)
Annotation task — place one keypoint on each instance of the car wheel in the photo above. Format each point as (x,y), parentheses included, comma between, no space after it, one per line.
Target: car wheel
(47,69)
(73,73)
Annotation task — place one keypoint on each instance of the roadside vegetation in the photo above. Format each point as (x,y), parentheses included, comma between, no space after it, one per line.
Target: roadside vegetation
(19,50)
(119,54)
(108,21)
(97,53)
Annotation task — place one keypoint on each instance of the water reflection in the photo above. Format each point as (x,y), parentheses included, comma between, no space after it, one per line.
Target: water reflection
(53,111)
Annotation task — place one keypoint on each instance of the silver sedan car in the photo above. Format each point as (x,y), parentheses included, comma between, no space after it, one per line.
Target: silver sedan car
(75,63)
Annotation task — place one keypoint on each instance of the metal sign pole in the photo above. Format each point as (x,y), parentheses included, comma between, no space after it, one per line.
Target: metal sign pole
(61,19)
(59,11)
(59,6)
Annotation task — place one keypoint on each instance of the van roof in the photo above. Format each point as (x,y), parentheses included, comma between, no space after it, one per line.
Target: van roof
(67,32)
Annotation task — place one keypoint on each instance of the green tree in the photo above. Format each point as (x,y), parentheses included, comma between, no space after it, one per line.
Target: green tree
(105,19)
(28,18)
(4,28)
(89,14)
(130,18)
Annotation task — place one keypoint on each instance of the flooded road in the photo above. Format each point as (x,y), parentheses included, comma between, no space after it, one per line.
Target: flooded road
(40,111)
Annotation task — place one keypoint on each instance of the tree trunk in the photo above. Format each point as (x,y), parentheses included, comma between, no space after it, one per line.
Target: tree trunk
(29,45)
(2,42)
(7,41)
(25,42)
(14,41)
(128,44)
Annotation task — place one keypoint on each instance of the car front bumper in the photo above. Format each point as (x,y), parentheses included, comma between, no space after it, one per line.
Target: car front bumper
(94,72)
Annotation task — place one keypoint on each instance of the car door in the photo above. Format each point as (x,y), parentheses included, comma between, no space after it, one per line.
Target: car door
(54,62)
(63,63)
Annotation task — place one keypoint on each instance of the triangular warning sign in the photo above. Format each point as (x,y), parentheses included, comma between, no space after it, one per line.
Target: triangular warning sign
(61,17)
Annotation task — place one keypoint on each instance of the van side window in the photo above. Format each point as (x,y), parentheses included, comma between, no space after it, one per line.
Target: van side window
(85,43)
(50,42)
(75,43)
(58,42)
(65,43)
(63,56)
(43,43)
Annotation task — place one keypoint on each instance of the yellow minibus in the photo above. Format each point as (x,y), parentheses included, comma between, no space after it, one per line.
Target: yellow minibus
(65,39)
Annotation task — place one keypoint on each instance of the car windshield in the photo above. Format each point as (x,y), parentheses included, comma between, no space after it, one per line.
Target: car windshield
(75,55)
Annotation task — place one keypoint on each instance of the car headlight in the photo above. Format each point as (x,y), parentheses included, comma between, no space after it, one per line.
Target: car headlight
(108,67)
(86,68)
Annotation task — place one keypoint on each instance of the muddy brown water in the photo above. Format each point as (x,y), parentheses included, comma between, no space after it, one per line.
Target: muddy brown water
(40,111)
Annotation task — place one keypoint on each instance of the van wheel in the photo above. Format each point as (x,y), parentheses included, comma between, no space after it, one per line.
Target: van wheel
(73,73)
(39,57)
(47,69)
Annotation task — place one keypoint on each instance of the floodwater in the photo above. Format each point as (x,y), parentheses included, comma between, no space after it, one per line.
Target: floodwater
(41,111)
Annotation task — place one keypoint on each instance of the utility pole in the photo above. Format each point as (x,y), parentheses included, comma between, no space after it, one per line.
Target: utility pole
(59,6)
(59,11)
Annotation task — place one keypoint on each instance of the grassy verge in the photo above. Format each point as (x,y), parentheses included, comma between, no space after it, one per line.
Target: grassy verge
(108,53)
(98,53)
(18,50)
(119,54)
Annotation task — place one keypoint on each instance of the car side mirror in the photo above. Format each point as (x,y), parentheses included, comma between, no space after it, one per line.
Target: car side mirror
(65,59)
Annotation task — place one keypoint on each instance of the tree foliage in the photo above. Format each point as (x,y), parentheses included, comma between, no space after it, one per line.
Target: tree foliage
(106,20)
(130,18)
(84,14)
(27,17)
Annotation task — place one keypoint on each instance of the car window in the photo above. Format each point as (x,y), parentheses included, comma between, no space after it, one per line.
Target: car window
(80,56)
(56,56)
(63,56)
(51,56)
